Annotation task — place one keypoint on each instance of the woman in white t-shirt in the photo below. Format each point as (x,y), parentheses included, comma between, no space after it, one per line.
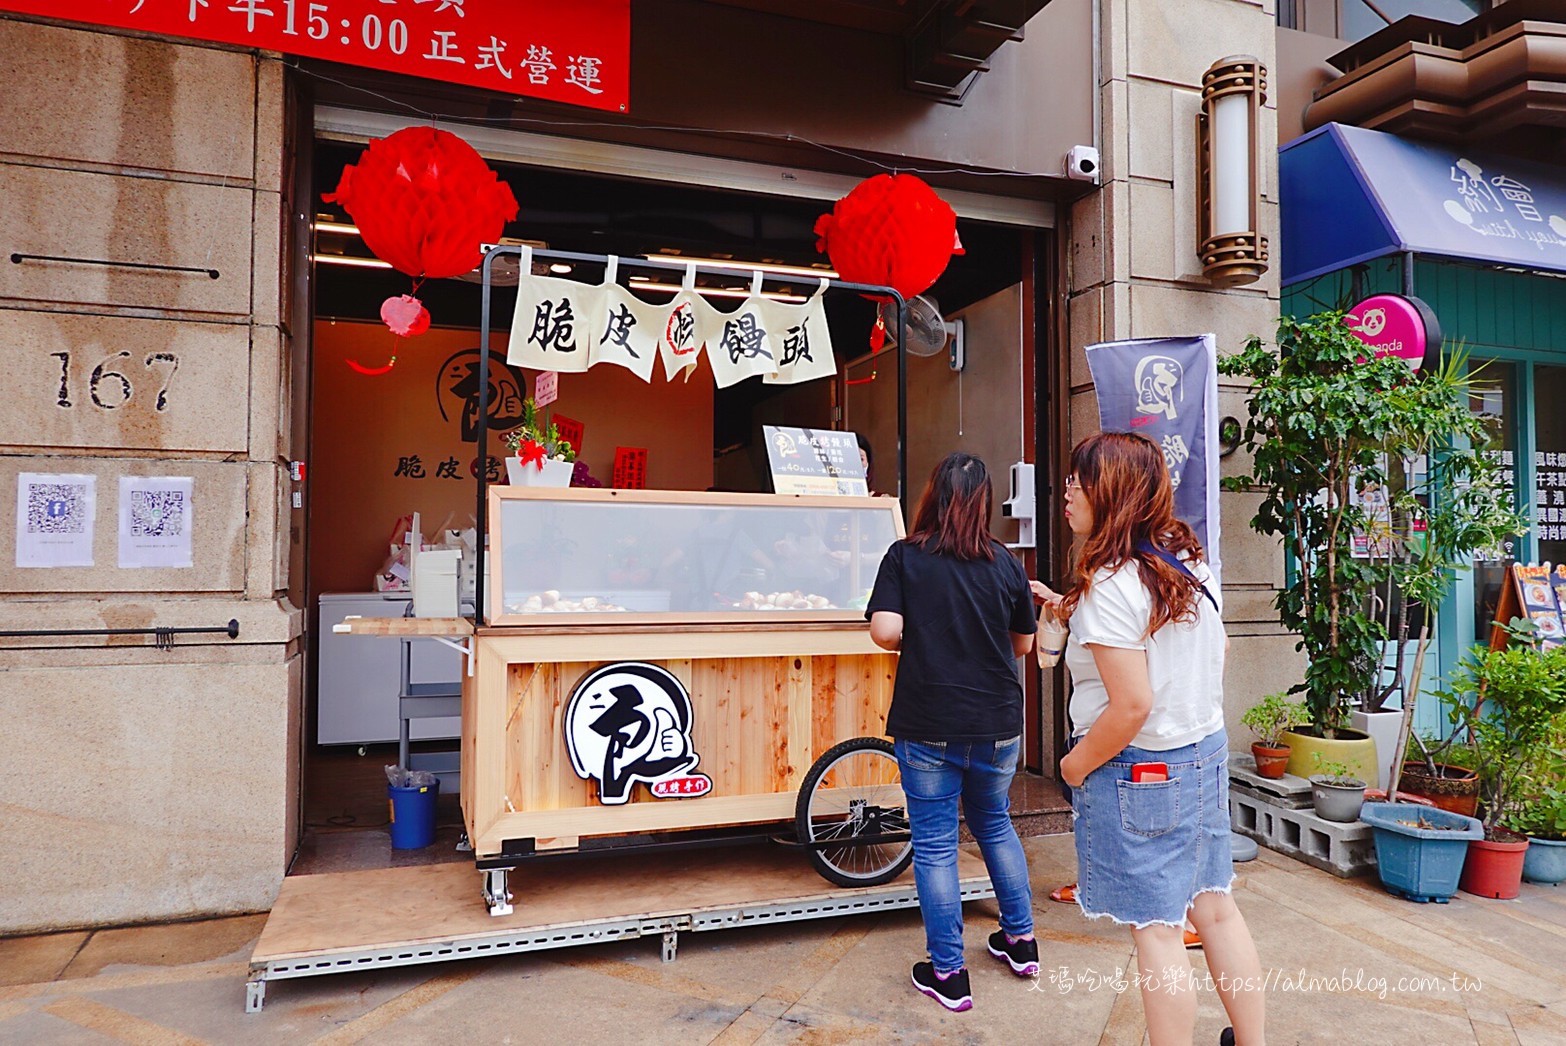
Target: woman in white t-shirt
(1149,760)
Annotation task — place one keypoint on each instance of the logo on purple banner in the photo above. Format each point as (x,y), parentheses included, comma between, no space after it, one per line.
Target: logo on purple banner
(1167,390)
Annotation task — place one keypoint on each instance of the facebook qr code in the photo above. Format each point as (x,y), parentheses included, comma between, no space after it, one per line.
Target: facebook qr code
(56,508)
(157,513)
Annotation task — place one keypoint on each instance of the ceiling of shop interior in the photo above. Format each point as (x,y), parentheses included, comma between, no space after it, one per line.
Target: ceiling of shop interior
(601,215)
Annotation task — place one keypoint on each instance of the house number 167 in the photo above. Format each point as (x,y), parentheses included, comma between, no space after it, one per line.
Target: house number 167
(109,388)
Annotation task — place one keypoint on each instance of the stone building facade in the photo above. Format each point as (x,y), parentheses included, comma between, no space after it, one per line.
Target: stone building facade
(144,784)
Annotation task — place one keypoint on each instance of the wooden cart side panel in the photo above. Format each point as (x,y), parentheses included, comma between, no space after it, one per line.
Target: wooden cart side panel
(659,816)
(485,706)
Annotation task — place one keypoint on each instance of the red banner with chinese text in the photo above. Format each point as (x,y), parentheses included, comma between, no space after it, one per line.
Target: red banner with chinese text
(574,51)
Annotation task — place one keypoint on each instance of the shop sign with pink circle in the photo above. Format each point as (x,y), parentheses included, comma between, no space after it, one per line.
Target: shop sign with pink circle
(1394,325)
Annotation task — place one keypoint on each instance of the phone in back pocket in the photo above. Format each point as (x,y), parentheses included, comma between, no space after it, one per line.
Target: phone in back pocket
(1147,773)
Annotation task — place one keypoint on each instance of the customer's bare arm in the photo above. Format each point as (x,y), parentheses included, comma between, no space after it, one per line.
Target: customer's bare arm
(886,630)
(1124,673)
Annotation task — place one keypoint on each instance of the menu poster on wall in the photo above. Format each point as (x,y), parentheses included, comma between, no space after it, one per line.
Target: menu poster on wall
(155,521)
(812,461)
(55,514)
(1540,603)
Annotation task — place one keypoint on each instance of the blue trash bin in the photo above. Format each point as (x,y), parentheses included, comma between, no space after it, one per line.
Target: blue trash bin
(412,815)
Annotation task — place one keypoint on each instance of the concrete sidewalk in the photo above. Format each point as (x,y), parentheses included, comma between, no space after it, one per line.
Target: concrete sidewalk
(1385,971)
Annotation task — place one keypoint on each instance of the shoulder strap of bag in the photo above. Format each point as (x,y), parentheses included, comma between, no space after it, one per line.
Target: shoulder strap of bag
(1149,548)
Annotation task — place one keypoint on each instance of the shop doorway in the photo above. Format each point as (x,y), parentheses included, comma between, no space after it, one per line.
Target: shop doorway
(384,443)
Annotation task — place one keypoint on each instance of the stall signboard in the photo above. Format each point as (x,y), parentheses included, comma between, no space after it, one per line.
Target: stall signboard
(578,52)
(630,721)
(1167,390)
(813,461)
(1394,325)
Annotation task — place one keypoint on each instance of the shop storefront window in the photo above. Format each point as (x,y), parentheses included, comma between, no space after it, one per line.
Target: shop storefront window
(1493,397)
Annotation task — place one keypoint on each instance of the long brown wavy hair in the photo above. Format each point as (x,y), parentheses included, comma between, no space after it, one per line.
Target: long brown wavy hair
(954,513)
(1125,481)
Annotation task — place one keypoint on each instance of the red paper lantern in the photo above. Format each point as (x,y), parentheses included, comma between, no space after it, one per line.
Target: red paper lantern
(892,230)
(425,201)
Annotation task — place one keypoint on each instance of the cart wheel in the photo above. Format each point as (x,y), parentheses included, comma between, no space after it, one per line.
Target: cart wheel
(853,816)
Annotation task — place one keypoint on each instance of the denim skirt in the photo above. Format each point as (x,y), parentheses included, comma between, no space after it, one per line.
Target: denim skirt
(1145,850)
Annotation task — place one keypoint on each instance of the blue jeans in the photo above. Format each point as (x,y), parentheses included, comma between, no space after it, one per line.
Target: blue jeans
(935,775)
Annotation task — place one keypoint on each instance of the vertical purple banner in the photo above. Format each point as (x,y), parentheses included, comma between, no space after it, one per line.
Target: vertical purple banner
(1167,390)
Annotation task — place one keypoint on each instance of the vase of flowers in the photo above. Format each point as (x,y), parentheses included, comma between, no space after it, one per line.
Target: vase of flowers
(539,457)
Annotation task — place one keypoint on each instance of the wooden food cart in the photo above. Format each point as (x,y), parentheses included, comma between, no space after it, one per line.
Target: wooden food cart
(665,669)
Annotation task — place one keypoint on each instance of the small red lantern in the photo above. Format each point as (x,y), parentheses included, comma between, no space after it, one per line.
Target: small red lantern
(893,230)
(425,201)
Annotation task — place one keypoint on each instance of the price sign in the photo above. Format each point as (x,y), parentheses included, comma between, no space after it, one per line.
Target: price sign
(577,52)
(546,388)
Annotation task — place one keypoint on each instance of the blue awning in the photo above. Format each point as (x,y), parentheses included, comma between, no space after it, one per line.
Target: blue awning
(1349,195)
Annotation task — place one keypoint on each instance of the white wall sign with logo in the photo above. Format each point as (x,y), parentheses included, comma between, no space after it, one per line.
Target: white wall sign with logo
(1167,390)
(155,521)
(631,721)
(55,519)
(814,461)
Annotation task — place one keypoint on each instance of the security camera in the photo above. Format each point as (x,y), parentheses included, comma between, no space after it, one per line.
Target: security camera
(1082,163)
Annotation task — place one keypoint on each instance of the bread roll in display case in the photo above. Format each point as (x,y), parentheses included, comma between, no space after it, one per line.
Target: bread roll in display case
(662,667)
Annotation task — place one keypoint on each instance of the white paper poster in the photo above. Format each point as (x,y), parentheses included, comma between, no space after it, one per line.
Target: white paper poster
(628,329)
(55,514)
(155,521)
(801,340)
(553,326)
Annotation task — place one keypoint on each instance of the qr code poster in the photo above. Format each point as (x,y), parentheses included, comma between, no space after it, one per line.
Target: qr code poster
(54,519)
(155,521)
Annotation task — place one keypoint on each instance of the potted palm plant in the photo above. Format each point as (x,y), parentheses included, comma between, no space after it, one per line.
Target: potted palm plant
(1325,425)
(1336,793)
(1269,718)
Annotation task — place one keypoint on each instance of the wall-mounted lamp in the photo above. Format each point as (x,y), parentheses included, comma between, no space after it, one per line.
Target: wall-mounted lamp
(1228,183)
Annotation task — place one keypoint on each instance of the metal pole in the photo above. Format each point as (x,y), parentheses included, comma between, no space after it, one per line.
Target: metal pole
(480,522)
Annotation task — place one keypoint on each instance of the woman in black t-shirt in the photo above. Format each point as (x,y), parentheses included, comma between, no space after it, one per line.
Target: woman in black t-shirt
(957,607)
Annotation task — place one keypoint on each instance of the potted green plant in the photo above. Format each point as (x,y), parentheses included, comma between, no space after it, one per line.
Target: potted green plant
(539,457)
(1269,718)
(1325,426)
(1336,792)
(1542,818)
(1510,701)
(1447,775)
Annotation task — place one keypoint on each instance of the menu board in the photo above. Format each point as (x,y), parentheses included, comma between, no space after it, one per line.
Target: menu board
(1537,593)
(814,461)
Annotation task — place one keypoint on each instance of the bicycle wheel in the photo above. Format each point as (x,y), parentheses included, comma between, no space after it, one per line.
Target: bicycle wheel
(853,816)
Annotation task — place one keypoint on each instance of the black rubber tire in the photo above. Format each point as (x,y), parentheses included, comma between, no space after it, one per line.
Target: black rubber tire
(802,819)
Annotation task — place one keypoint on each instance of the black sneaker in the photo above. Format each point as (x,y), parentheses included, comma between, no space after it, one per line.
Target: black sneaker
(1021,956)
(1226,1037)
(952,993)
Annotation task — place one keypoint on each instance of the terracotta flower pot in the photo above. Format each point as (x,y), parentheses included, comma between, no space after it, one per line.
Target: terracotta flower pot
(1494,866)
(1454,788)
(1270,762)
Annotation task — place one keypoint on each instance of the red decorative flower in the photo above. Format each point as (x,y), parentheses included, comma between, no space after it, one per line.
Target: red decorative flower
(531,453)
(425,201)
(891,230)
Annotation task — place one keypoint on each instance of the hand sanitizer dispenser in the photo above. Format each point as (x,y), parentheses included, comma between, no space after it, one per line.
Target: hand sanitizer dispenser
(1021,505)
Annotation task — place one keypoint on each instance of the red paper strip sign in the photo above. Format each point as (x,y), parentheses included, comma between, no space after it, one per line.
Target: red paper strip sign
(570,431)
(630,468)
(577,52)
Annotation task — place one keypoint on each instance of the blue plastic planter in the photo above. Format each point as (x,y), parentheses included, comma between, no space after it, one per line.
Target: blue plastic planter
(412,815)
(1421,864)
(1545,861)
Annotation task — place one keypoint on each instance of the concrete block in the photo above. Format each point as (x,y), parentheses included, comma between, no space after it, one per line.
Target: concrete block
(1345,850)
(1288,790)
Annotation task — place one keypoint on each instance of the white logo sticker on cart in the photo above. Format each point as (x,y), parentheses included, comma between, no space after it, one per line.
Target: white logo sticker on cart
(629,722)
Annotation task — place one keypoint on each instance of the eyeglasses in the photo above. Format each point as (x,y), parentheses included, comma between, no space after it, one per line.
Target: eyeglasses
(1072,483)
